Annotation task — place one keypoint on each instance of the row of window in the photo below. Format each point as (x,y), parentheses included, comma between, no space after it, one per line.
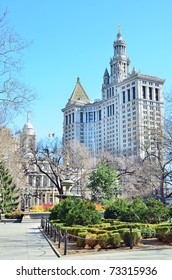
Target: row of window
(129,94)
(149,94)
(70,119)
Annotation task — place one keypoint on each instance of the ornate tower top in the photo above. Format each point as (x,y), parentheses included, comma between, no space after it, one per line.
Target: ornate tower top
(119,35)
(28,127)
(119,63)
(27,138)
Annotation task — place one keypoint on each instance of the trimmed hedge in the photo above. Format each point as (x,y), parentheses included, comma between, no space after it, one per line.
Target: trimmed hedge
(115,240)
(91,240)
(136,236)
(148,233)
(81,242)
(161,232)
(103,240)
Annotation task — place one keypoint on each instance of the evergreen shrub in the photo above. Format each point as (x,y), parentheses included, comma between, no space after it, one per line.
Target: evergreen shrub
(136,236)
(74,211)
(167,237)
(115,240)
(91,240)
(161,232)
(148,233)
(81,242)
(103,240)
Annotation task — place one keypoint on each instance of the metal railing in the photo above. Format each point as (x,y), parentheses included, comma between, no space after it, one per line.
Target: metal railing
(61,237)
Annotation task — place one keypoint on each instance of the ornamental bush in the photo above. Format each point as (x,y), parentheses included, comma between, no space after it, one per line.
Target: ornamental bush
(161,232)
(74,211)
(115,240)
(167,237)
(81,239)
(148,233)
(14,215)
(117,209)
(152,211)
(91,240)
(103,240)
(136,236)
(157,212)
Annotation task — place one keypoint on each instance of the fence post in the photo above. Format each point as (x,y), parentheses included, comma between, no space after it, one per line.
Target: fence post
(55,234)
(46,225)
(59,237)
(41,223)
(51,232)
(131,238)
(65,241)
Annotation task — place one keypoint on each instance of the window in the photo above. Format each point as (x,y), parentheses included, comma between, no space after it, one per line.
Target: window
(66,120)
(100,115)
(134,92)
(110,92)
(150,93)
(144,92)
(90,116)
(38,181)
(45,181)
(157,94)
(123,96)
(107,93)
(128,91)
(81,117)
(108,111)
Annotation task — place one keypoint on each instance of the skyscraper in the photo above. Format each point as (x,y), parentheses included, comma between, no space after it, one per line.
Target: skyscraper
(131,106)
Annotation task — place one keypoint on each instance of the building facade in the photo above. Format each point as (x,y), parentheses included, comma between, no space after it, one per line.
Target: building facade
(131,106)
(38,189)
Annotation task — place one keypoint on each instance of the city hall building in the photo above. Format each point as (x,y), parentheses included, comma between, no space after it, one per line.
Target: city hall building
(131,105)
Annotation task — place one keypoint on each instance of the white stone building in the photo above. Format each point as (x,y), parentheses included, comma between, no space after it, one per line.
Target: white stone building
(131,105)
(40,190)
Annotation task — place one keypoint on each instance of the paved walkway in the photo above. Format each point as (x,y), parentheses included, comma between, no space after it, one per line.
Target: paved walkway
(24,241)
(134,254)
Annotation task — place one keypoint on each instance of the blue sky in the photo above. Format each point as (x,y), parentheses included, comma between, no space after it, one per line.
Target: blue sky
(75,38)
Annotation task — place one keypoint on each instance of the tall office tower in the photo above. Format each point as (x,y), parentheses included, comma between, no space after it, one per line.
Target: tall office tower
(131,106)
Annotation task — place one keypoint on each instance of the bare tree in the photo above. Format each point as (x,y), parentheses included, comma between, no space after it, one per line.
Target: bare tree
(50,160)
(81,164)
(10,156)
(45,160)
(14,95)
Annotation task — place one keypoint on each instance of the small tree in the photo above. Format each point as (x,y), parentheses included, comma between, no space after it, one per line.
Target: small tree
(151,211)
(137,211)
(102,181)
(74,211)
(8,190)
(117,209)
(157,211)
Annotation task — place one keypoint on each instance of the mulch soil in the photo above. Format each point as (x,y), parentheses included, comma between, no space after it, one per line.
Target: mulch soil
(147,244)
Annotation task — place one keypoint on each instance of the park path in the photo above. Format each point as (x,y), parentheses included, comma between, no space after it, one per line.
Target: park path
(24,241)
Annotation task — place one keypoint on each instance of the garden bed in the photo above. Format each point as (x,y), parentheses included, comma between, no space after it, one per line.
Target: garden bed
(147,244)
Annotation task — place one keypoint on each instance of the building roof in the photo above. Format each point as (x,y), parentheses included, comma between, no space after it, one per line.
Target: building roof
(79,93)
(28,127)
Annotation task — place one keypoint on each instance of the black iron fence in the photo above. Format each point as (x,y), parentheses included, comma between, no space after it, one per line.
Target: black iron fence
(62,237)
